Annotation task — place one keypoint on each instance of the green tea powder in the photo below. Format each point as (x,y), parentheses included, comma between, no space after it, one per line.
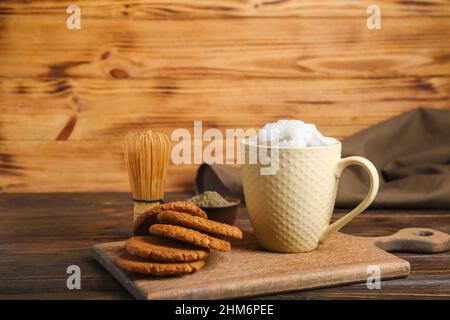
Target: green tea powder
(210,199)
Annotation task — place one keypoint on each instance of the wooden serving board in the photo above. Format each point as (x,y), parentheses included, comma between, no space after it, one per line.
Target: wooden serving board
(248,270)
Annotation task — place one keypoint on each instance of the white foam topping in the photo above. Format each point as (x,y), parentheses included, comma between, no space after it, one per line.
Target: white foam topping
(291,133)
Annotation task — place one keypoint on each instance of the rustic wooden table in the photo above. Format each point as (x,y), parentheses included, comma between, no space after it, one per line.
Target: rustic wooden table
(42,234)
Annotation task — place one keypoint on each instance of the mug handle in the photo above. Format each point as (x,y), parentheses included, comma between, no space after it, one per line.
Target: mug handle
(374,184)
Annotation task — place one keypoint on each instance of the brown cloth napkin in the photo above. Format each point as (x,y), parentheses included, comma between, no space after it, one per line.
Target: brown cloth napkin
(411,152)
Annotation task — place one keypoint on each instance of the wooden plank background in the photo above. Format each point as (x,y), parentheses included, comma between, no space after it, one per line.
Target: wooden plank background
(67,97)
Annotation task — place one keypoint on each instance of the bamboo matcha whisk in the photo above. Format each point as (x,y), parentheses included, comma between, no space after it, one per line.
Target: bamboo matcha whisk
(147,157)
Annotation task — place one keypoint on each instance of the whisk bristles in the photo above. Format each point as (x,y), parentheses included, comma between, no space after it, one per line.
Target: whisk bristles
(147,157)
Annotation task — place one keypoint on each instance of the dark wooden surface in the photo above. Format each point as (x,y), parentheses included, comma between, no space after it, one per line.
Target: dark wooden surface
(42,234)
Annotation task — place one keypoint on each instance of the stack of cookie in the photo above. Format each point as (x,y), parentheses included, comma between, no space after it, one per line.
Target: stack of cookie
(174,239)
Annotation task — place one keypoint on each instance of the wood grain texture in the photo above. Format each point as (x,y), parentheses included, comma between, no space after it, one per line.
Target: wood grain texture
(201,9)
(68,97)
(261,47)
(106,110)
(31,166)
(34,230)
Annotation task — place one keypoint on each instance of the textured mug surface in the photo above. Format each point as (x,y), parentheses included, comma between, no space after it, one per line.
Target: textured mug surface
(291,209)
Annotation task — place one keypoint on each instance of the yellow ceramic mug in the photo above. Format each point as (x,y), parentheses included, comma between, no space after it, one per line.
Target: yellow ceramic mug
(291,210)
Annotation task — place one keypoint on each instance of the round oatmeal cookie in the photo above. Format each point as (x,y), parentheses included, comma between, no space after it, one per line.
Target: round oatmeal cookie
(132,264)
(145,220)
(163,249)
(200,224)
(189,236)
(181,206)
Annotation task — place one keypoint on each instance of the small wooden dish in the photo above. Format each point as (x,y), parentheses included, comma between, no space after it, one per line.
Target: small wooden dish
(226,214)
